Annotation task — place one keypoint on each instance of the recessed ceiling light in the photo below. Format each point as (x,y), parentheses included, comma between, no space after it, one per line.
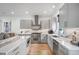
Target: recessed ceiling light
(45,12)
(53,6)
(26,12)
(12,12)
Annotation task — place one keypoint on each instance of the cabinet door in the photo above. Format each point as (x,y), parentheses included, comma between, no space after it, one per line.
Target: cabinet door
(15,51)
(62,50)
(23,48)
(44,38)
(50,42)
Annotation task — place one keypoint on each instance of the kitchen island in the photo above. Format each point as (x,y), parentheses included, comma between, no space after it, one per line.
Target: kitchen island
(13,46)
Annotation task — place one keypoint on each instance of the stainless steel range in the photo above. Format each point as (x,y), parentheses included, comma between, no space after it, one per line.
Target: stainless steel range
(36,38)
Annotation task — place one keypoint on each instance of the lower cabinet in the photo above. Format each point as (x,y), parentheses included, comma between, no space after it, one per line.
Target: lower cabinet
(62,50)
(16,51)
(59,49)
(24,47)
(20,50)
(50,42)
(44,38)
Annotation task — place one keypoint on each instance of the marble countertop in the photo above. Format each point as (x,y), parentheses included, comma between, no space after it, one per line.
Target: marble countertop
(66,43)
(36,31)
(11,46)
(8,39)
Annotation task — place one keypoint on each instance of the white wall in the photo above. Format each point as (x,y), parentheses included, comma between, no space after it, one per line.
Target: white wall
(74,15)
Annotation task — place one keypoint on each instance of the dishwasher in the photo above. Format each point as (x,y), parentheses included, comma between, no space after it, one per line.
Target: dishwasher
(55,46)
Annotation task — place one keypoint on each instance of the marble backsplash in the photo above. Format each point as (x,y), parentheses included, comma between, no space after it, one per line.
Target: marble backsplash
(69,32)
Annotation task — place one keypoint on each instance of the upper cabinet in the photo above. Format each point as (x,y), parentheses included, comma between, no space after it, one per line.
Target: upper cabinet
(69,15)
(45,24)
(40,23)
(25,24)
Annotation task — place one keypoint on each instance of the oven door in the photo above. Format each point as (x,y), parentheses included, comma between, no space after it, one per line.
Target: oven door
(36,38)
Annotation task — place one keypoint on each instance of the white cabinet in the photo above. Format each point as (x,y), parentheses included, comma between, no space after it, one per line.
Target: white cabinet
(19,50)
(65,51)
(50,42)
(44,38)
(18,47)
(59,49)
(16,51)
(62,50)
(24,46)
(64,47)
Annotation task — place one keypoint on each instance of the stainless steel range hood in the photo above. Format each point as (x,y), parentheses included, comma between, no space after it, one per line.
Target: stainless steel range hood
(36,26)
(36,20)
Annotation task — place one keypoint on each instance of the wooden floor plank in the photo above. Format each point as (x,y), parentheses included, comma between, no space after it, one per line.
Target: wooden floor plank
(40,49)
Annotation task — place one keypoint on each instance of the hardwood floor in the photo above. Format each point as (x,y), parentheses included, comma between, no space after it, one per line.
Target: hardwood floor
(40,49)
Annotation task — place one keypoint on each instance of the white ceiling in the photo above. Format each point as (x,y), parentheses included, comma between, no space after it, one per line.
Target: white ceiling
(19,9)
